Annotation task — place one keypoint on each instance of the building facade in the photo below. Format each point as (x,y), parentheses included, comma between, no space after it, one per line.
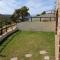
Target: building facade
(57,36)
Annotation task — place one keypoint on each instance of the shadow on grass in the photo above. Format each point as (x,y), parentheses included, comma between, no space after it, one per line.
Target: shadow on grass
(6,41)
(2,55)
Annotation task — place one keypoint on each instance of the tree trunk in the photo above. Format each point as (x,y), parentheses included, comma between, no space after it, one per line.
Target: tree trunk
(22,18)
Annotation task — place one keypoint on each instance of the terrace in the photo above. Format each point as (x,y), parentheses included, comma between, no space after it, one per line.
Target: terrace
(28,38)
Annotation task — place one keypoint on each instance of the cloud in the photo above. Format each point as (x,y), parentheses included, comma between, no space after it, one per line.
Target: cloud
(35,6)
(8,6)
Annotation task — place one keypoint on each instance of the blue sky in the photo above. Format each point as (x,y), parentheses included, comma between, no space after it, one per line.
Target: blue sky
(35,6)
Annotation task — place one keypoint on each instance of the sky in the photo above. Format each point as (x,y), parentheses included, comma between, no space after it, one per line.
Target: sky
(35,6)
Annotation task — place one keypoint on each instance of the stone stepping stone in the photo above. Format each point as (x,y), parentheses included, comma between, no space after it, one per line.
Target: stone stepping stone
(43,52)
(28,55)
(46,58)
(14,58)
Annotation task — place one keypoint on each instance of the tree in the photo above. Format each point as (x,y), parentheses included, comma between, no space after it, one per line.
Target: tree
(15,15)
(38,15)
(22,12)
(44,12)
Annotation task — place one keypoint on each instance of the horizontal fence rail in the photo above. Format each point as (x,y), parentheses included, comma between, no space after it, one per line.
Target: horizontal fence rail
(43,18)
(5,28)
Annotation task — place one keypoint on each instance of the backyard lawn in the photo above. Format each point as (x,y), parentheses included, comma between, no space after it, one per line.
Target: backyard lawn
(24,42)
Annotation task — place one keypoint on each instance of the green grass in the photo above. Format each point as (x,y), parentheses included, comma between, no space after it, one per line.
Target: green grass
(23,42)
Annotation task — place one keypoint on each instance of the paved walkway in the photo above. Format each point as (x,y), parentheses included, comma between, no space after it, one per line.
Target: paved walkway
(29,55)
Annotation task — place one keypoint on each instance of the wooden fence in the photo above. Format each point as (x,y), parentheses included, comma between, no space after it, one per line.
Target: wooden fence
(44,18)
(5,28)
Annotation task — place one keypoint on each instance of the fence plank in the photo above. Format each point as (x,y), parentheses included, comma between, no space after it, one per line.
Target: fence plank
(6,28)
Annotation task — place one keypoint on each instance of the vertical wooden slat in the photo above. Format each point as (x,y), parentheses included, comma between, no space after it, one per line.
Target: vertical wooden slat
(1,32)
(40,19)
(1,29)
(50,18)
(56,20)
(31,19)
(6,26)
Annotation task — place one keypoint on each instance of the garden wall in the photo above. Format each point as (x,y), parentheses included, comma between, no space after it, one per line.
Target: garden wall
(37,26)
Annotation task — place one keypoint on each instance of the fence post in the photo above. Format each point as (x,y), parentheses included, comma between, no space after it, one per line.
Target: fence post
(1,29)
(6,25)
(56,20)
(31,19)
(50,18)
(40,19)
(11,25)
(6,28)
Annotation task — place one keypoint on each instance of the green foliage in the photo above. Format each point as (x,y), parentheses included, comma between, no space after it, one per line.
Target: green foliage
(38,15)
(44,12)
(22,12)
